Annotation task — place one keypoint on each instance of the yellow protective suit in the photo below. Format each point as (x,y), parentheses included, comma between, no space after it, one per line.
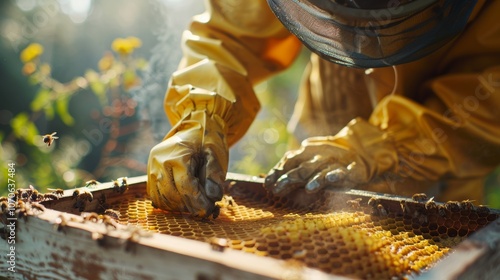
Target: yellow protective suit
(433,120)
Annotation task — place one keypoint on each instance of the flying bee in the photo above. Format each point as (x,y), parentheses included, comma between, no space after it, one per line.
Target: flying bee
(59,192)
(419,197)
(49,138)
(354,203)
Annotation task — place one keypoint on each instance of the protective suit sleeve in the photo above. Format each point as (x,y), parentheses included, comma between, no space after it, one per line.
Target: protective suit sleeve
(227,50)
(455,133)
(211,103)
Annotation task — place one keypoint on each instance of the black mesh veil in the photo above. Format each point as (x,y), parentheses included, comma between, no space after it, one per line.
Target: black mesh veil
(365,34)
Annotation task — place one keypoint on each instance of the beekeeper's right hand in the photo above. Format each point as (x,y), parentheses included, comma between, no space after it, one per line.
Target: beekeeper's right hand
(186,171)
(211,102)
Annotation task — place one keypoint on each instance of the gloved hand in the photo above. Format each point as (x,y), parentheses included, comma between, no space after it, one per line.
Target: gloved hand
(357,154)
(187,169)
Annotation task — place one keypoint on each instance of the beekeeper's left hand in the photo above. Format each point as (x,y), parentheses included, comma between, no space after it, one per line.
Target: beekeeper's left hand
(357,154)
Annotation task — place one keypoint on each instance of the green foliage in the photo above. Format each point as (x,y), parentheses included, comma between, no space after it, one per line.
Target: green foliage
(24,128)
(56,165)
(62,111)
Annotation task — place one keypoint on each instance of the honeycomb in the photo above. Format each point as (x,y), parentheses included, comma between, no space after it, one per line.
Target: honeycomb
(359,240)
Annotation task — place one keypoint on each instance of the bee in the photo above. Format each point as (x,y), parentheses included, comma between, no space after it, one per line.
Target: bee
(112,213)
(59,192)
(441,210)
(38,206)
(354,203)
(404,207)
(482,209)
(19,193)
(116,186)
(422,218)
(123,184)
(49,138)
(419,197)
(22,211)
(108,221)
(381,210)
(36,196)
(373,202)
(467,204)
(92,217)
(226,202)
(99,237)
(50,196)
(452,206)
(60,223)
(133,239)
(430,204)
(101,203)
(81,198)
(91,183)
(215,213)
(3,206)
(218,244)
(26,194)
(86,195)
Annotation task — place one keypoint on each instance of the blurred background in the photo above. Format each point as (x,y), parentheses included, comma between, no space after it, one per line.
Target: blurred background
(96,73)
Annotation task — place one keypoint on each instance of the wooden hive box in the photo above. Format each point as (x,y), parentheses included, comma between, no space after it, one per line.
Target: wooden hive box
(345,235)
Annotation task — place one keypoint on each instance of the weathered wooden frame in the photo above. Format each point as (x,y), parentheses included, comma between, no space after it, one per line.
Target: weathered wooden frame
(58,244)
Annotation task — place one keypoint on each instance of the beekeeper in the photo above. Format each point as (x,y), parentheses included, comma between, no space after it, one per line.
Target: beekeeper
(401,96)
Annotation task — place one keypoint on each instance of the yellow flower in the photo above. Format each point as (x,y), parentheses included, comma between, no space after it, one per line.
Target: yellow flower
(31,52)
(126,46)
(106,62)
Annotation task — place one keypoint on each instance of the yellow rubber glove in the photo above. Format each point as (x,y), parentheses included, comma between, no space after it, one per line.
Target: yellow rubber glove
(358,153)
